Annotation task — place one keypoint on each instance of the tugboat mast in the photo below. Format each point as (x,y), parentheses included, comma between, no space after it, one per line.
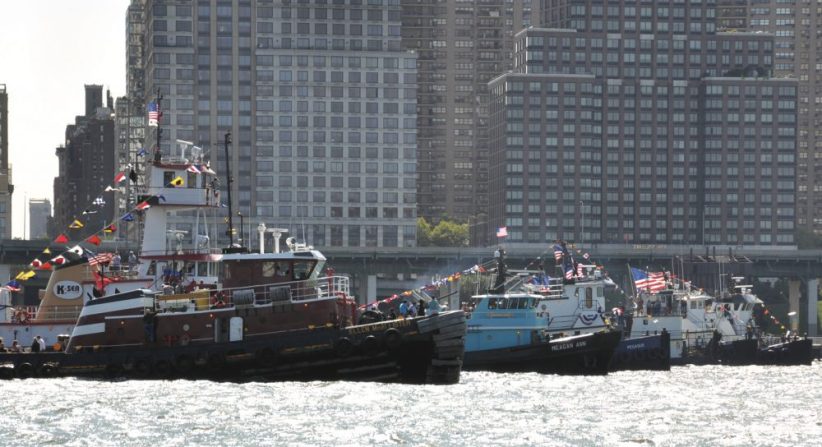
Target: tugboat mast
(230,230)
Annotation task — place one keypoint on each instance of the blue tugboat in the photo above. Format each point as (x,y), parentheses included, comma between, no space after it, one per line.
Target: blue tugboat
(546,328)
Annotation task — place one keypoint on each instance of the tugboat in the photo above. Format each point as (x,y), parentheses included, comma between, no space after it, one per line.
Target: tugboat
(516,327)
(706,330)
(237,315)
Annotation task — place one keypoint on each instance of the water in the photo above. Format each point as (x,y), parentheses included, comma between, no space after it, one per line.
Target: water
(689,406)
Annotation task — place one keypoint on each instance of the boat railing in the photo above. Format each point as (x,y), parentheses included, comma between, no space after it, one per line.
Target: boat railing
(314,289)
(49,313)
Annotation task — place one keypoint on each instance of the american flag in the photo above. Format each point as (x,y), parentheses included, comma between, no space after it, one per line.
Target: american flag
(557,252)
(153,114)
(653,282)
(101,258)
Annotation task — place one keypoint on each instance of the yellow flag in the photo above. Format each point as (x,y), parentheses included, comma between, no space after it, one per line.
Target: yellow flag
(177,181)
(22,276)
(76,224)
(47,251)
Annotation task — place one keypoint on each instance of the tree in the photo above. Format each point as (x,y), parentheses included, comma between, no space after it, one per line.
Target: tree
(446,233)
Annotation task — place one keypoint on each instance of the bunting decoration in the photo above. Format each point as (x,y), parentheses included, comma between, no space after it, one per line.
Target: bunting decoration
(35,263)
(61,239)
(99,201)
(128,217)
(193,169)
(25,276)
(119,177)
(109,229)
(58,260)
(46,266)
(110,188)
(94,239)
(141,152)
(13,286)
(132,175)
(140,207)
(76,225)
(177,181)
(78,250)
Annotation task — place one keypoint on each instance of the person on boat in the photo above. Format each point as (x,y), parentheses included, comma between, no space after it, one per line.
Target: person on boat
(115,262)
(404,309)
(499,284)
(15,346)
(132,260)
(42,343)
(2,346)
(433,306)
(392,315)
(35,344)
(421,308)
(412,310)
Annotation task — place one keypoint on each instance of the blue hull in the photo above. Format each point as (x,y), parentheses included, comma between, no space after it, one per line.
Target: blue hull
(651,352)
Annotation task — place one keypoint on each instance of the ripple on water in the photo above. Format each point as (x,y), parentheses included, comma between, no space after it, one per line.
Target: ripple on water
(689,406)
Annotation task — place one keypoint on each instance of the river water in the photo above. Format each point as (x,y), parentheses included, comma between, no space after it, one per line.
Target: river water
(688,406)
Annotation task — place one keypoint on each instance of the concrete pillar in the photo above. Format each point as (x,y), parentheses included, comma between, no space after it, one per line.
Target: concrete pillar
(793,303)
(813,311)
(371,288)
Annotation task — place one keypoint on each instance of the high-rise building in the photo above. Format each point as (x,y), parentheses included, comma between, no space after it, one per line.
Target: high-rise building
(86,166)
(39,216)
(320,101)
(796,27)
(460,46)
(641,124)
(6,187)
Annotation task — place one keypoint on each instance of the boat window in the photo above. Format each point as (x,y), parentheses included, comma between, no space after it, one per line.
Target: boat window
(589,297)
(600,292)
(302,269)
(523,303)
(152,268)
(168,176)
(268,269)
(492,303)
(202,269)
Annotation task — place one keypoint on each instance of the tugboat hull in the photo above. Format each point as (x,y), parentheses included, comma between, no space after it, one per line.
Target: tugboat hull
(424,350)
(580,354)
(651,352)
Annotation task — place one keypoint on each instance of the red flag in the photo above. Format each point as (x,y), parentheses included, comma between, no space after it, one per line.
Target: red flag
(59,260)
(142,206)
(119,177)
(46,266)
(36,263)
(61,239)
(94,239)
(110,229)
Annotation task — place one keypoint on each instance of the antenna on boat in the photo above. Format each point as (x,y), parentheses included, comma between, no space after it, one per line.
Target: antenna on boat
(230,230)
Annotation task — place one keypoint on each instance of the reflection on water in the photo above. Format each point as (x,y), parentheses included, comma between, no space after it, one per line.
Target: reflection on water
(705,405)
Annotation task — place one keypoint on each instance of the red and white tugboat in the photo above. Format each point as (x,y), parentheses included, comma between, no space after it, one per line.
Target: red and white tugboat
(234,314)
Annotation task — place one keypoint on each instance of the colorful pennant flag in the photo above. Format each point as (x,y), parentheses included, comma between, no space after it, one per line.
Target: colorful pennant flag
(109,229)
(94,239)
(119,177)
(99,201)
(110,188)
(141,152)
(78,250)
(128,217)
(58,260)
(76,224)
(177,181)
(193,169)
(35,263)
(140,207)
(13,285)
(502,232)
(46,266)
(153,114)
(61,239)
(25,276)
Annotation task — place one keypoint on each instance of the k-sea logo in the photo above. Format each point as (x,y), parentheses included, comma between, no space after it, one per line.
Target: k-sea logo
(68,290)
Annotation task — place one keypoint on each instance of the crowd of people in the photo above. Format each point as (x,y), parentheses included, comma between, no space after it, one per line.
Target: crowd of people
(38,344)
(406,309)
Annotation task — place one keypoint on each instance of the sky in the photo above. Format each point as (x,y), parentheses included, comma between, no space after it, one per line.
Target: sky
(50,49)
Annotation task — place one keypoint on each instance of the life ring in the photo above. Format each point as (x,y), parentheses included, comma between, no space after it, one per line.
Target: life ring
(24,370)
(185,339)
(392,338)
(344,347)
(22,316)
(370,346)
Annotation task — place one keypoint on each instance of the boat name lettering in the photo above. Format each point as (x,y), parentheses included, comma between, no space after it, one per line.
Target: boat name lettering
(68,290)
(570,345)
(634,347)
(379,327)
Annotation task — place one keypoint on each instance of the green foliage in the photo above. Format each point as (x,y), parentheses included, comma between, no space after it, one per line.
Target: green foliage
(446,233)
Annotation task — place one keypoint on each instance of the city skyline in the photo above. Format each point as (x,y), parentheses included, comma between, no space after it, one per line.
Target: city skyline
(44,99)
